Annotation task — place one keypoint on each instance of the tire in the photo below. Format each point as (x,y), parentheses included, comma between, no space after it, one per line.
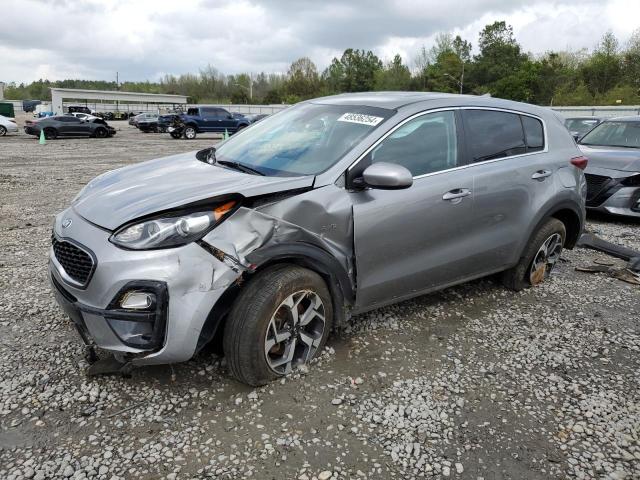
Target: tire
(189,132)
(50,133)
(524,274)
(262,310)
(100,133)
(240,127)
(175,135)
(3,131)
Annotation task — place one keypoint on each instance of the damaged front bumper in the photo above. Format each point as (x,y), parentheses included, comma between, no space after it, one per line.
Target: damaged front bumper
(183,285)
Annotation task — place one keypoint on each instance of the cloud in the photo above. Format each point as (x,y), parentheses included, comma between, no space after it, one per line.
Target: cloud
(145,39)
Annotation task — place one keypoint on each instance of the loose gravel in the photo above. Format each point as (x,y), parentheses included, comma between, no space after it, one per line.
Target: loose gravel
(472,382)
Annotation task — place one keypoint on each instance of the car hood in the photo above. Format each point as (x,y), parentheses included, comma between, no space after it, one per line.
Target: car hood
(122,195)
(612,158)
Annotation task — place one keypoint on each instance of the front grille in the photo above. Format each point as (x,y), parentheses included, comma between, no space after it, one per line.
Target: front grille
(77,263)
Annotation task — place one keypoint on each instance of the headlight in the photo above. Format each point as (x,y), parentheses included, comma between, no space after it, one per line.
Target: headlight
(171,231)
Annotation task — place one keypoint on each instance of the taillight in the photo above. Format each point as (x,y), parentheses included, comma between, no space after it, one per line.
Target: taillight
(580,162)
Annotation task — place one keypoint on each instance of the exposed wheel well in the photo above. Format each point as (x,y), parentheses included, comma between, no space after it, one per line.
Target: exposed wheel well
(212,331)
(572,224)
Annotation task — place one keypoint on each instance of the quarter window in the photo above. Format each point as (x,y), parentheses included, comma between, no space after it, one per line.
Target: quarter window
(423,145)
(533,133)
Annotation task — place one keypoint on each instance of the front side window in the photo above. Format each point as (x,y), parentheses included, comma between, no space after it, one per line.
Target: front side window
(493,134)
(423,145)
(306,139)
(614,134)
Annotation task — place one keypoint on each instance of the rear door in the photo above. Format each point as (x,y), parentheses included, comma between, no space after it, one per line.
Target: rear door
(412,240)
(512,178)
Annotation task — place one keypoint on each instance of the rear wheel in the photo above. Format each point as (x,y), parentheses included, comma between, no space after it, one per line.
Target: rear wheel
(50,133)
(3,131)
(539,258)
(189,132)
(279,321)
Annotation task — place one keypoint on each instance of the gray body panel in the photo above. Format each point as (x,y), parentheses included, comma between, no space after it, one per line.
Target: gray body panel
(386,245)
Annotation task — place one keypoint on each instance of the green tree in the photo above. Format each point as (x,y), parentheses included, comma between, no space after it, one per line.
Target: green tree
(500,56)
(603,70)
(302,78)
(354,72)
(394,76)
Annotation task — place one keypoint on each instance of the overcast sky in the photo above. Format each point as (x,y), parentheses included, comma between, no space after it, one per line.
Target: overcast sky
(145,39)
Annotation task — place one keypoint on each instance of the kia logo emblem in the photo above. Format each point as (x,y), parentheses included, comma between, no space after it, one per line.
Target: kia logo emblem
(66,223)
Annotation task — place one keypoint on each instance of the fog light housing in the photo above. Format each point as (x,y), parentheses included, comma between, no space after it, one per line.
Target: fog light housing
(136,300)
(138,314)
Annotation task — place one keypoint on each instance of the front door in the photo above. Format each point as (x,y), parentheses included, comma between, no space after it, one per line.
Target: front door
(413,240)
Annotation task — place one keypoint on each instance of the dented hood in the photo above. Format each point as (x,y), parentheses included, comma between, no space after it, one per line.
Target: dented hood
(122,195)
(613,158)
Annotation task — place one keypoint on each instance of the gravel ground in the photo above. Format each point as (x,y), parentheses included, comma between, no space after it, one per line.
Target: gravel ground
(472,382)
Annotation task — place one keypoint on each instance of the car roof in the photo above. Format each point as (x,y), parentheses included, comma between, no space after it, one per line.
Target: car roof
(398,100)
(583,118)
(630,118)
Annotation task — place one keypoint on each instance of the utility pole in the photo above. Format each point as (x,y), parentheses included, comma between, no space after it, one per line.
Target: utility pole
(117,88)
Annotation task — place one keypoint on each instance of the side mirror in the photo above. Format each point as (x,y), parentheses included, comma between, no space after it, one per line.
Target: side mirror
(387,176)
(576,136)
(230,116)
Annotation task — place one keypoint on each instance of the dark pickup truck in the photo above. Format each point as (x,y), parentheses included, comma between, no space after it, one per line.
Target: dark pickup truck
(211,119)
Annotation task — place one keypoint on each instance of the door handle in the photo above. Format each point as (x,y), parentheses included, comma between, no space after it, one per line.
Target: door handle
(456,195)
(541,174)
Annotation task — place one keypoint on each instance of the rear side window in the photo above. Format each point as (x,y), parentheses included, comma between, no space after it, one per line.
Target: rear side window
(533,133)
(493,134)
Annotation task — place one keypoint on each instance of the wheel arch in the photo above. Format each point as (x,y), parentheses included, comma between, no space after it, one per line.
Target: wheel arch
(569,213)
(300,254)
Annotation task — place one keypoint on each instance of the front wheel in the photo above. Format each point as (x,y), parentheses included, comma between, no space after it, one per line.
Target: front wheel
(101,133)
(175,134)
(279,321)
(3,131)
(189,133)
(539,257)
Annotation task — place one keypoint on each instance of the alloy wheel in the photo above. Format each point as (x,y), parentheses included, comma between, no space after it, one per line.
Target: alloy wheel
(295,331)
(545,259)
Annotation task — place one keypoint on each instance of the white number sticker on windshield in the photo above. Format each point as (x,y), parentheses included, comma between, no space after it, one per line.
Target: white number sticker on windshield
(360,118)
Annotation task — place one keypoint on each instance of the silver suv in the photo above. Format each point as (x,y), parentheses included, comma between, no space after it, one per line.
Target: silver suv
(275,237)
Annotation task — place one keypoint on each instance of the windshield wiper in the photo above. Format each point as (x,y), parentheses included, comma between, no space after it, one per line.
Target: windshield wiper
(240,166)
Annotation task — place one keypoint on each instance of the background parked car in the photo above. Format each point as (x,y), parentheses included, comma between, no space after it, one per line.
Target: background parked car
(211,119)
(70,126)
(256,117)
(7,125)
(83,116)
(613,174)
(578,126)
(79,109)
(149,123)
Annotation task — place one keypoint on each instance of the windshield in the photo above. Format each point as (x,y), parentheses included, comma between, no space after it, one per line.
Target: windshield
(580,125)
(614,134)
(305,139)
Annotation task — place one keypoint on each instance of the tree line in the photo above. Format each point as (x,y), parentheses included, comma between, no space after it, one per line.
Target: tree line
(608,74)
